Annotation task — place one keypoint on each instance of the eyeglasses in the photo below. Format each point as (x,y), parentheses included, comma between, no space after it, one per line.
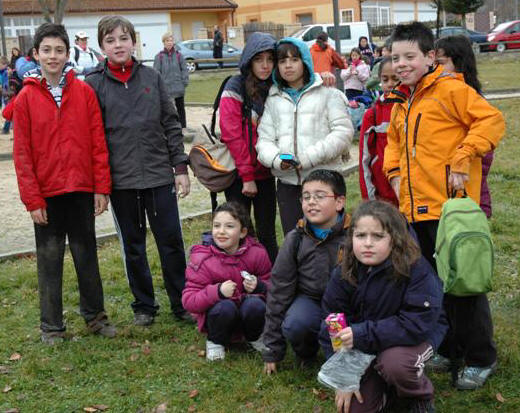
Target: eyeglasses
(317,196)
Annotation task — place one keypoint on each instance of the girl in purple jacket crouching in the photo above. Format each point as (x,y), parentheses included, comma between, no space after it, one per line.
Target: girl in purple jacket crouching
(227,281)
(392,300)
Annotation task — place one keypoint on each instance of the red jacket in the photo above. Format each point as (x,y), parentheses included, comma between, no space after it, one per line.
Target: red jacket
(58,150)
(209,267)
(372,143)
(7,112)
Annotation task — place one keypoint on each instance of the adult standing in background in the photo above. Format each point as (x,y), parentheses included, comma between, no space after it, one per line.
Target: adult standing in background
(218,44)
(324,57)
(82,58)
(172,67)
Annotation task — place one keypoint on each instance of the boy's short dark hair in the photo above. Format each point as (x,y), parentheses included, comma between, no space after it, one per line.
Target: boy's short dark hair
(332,178)
(51,30)
(414,32)
(109,23)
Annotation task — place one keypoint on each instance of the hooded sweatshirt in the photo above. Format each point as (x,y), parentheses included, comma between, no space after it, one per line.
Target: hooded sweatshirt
(233,123)
(311,123)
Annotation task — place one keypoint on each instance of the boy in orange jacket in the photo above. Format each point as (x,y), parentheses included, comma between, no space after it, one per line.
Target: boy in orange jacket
(437,137)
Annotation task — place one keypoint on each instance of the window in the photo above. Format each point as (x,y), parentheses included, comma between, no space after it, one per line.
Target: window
(344,32)
(376,15)
(312,33)
(305,18)
(22,26)
(347,15)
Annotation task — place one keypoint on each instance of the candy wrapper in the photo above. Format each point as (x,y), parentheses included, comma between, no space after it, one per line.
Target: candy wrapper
(335,323)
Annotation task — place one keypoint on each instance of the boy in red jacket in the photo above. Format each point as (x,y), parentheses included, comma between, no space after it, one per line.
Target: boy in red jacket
(61,162)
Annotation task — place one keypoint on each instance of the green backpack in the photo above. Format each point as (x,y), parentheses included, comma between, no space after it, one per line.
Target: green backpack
(464,250)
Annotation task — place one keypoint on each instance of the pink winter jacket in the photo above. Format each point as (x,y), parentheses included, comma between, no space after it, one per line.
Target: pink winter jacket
(209,266)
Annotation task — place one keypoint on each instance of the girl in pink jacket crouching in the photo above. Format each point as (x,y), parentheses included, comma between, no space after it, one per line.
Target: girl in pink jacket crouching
(227,281)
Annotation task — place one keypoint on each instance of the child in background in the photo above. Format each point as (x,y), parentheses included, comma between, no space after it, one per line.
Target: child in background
(455,53)
(373,82)
(355,75)
(437,136)
(222,300)
(305,120)
(61,162)
(392,300)
(365,49)
(372,140)
(4,84)
(302,270)
(324,58)
(148,166)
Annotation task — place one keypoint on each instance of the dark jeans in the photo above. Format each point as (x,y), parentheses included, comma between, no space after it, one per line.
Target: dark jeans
(217,54)
(399,367)
(471,328)
(289,205)
(160,206)
(181,110)
(265,211)
(353,93)
(225,318)
(70,215)
(301,326)
(7,127)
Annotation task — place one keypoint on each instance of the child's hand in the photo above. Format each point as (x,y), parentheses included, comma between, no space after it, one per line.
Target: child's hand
(39,216)
(269,368)
(227,288)
(347,337)
(343,399)
(250,285)
(182,185)
(456,180)
(249,189)
(100,204)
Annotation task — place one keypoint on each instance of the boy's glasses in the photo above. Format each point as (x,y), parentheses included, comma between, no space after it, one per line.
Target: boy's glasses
(316,197)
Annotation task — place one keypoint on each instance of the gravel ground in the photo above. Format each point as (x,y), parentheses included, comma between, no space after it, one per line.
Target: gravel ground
(17,234)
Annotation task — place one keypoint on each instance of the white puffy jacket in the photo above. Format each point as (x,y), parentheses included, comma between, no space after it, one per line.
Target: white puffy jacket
(317,130)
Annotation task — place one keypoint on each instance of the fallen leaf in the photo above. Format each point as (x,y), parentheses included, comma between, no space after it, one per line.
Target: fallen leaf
(67,369)
(15,357)
(194,393)
(201,353)
(500,398)
(317,409)
(320,394)
(249,405)
(174,339)
(90,409)
(192,408)
(134,344)
(162,408)
(146,350)
(7,389)
(134,357)
(193,347)
(4,370)
(100,407)
(12,410)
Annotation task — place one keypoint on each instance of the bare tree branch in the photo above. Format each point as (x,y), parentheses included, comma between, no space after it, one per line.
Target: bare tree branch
(60,11)
(45,10)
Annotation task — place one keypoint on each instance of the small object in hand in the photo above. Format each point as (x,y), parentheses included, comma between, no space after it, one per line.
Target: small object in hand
(335,323)
(289,158)
(245,275)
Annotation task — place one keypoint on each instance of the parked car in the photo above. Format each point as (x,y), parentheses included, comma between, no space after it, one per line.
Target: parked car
(349,34)
(503,33)
(203,49)
(474,37)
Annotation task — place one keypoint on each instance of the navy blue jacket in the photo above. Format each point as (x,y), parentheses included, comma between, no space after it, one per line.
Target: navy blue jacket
(384,312)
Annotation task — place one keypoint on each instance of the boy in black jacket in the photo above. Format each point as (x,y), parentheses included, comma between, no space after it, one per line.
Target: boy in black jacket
(148,166)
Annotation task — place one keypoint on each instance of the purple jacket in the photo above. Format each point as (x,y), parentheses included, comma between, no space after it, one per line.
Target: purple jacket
(210,266)
(485,196)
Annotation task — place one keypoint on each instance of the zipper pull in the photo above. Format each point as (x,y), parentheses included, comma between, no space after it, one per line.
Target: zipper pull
(126,85)
(413,151)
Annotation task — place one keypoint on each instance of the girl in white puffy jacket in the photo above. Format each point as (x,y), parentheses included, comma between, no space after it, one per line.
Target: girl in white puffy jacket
(303,120)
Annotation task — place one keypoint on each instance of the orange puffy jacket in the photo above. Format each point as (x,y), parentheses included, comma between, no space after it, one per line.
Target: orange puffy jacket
(325,60)
(443,126)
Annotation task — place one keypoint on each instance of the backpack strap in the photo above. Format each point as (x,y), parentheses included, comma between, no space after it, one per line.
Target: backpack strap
(76,54)
(216,104)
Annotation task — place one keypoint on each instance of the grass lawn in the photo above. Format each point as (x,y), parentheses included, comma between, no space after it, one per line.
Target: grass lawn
(495,73)
(144,368)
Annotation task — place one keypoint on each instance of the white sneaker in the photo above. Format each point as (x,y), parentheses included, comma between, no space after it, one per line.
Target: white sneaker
(214,351)
(258,345)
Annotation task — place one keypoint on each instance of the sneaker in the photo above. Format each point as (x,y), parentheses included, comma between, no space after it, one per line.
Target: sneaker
(214,351)
(185,316)
(422,406)
(258,345)
(438,364)
(471,378)
(101,326)
(143,319)
(52,337)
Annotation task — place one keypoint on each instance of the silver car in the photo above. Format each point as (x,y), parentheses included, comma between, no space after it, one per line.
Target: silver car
(203,49)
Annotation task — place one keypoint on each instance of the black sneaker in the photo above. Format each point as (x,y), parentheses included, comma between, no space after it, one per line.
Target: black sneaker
(101,327)
(186,317)
(143,319)
(52,338)
(422,406)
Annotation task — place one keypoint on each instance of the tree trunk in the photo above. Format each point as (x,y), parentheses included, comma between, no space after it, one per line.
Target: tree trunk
(60,11)
(45,10)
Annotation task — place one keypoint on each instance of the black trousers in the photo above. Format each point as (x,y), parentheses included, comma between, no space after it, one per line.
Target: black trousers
(131,208)
(70,215)
(181,110)
(264,211)
(289,205)
(471,326)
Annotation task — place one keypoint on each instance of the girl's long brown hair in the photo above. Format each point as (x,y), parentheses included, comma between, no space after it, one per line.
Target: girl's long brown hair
(256,89)
(405,251)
